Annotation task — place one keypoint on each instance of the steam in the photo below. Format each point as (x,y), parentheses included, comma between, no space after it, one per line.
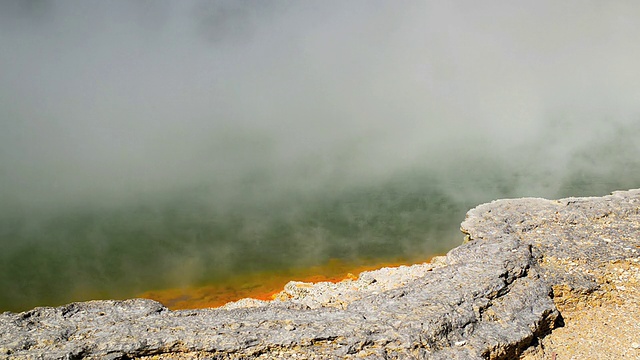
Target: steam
(204,127)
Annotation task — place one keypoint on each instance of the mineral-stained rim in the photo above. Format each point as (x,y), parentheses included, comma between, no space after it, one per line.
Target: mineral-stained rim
(485,299)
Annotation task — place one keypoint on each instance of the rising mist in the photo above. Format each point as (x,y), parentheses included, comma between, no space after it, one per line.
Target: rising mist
(151,144)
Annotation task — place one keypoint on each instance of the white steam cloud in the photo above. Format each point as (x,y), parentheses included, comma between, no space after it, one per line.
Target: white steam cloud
(149,140)
(104,100)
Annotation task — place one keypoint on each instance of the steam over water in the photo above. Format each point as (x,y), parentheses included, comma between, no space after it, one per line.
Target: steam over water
(155,144)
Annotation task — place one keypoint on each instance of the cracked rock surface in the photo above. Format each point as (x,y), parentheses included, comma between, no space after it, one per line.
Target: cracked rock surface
(490,298)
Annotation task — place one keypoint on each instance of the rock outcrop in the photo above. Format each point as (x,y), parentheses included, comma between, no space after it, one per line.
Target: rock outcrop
(491,297)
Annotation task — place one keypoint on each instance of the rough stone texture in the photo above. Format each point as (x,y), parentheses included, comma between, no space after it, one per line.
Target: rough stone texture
(492,297)
(601,325)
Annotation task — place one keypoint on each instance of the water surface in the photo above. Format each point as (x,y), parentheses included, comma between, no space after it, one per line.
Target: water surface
(151,145)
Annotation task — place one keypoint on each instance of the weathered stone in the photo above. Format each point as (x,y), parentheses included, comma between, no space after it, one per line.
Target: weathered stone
(491,297)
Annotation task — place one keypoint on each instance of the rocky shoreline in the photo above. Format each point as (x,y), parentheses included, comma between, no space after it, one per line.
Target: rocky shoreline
(526,263)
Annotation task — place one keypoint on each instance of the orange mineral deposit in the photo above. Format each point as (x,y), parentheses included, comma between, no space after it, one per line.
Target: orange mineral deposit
(261,286)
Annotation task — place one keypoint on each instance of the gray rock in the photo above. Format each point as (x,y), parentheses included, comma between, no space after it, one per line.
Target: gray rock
(489,298)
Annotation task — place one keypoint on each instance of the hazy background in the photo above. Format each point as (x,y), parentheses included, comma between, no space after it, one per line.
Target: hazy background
(151,144)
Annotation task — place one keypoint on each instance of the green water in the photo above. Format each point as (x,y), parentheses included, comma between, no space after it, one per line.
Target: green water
(185,239)
(122,251)
(207,233)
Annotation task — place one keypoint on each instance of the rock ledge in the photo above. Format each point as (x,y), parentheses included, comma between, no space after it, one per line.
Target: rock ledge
(492,297)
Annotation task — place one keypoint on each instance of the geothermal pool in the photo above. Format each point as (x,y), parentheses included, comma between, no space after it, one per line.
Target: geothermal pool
(187,253)
(122,252)
(183,149)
